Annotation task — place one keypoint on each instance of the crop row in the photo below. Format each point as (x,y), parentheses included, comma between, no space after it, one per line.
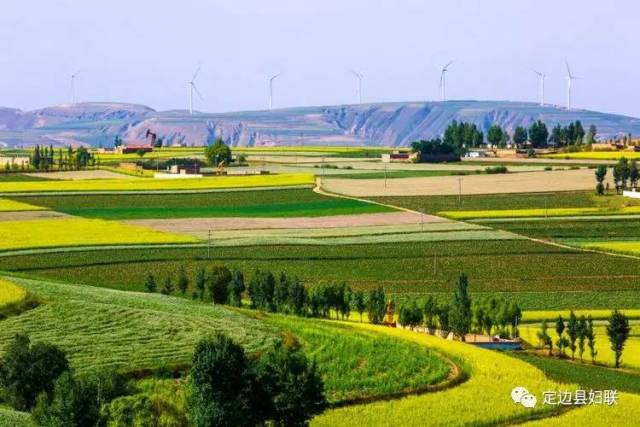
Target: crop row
(538,212)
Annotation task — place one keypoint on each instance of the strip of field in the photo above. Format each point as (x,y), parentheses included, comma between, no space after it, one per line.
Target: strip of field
(566,180)
(195,225)
(538,316)
(101,327)
(630,357)
(42,233)
(515,201)
(7,205)
(139,184)
(491,374)
(29,215)
(524,213)
(10,293)
(573,230)
(537,276)
(628,247)
(77,175)
(261,203)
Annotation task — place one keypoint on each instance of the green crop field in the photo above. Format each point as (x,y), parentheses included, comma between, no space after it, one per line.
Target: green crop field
(484,202)
(18,177)
(356,363)
(573,228)
(539,276)
(261,203)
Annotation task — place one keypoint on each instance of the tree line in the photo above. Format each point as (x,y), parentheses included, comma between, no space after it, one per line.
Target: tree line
(463,315)
(46,158)
(578,333)
(625,175)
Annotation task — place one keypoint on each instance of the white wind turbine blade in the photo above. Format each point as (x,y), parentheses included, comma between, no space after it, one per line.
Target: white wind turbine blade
(446,67)
(195,75)
(195,88)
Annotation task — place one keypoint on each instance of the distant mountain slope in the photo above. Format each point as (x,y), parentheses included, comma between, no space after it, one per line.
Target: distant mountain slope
(381,124)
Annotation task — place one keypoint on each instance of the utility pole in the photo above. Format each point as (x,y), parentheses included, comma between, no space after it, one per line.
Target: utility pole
(385,176)
(460,191)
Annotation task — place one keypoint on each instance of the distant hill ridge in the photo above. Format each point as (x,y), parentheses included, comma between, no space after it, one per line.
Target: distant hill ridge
(376,124)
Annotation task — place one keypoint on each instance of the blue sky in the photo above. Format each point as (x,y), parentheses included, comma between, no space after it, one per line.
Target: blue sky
(145,51)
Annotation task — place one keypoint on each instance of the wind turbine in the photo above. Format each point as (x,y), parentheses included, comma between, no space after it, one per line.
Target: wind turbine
(443,81)
(570,78)
(192,88)
(73,86)
(358,77)
(271,79)
(542,77)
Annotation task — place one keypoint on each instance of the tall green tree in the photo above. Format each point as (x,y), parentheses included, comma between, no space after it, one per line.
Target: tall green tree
(376,306)
(430,313)
(591,135)
(601,173)
(219,284)
(560,343)
(236,288)
(494,135)
(460,316)
(573,330)
(591,339)
(222,389)
(358,303)
(543,336)
(150,283)
(538,134)
(520,136)
(201,283)
(292,383)
(183,281)
(618,331)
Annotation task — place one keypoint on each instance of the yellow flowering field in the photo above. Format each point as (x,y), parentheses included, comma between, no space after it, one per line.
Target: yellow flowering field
(10,293)
(60,232)
(596,155)
(630,246)
(140,184)
(11,206)
(538,316)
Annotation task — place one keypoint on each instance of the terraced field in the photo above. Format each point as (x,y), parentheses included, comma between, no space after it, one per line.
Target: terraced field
(7,205)
(538,276)
(596,155)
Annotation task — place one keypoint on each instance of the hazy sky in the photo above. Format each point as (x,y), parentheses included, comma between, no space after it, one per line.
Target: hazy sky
(145,51)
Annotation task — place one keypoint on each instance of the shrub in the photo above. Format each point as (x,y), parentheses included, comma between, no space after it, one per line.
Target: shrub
(219,284)
(496,169)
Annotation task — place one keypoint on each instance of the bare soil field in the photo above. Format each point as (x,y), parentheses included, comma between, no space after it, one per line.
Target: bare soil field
(30,215)
(75,175)
(196,225)
(529,182)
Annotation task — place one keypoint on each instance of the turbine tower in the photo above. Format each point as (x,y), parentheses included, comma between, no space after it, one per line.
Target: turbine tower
(73,86)
(542,77)
(271,79)
(570,78)
(443,81)
(358,77)
(192,88)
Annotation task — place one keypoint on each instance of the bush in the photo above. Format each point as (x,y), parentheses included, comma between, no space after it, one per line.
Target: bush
(219,284)
(28,370)
(496,169)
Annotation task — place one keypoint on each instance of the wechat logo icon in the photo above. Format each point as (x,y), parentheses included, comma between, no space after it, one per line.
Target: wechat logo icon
(522,396)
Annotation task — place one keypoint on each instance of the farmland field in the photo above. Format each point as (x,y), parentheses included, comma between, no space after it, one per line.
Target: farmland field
(585,228)
(261,203)
(523,213)
(10,293)
(148,184)
(41,233)
(534,274)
